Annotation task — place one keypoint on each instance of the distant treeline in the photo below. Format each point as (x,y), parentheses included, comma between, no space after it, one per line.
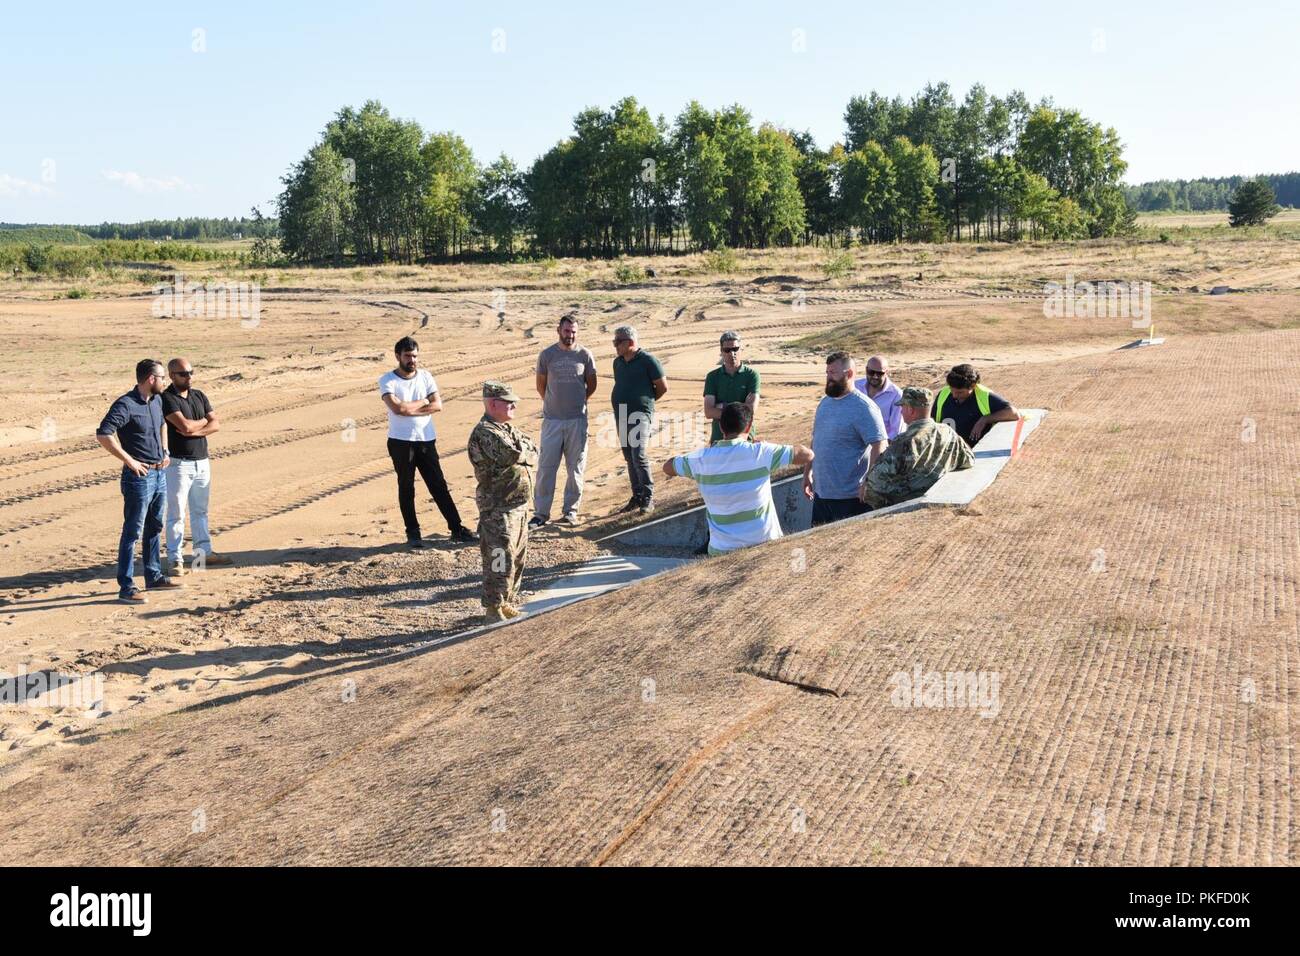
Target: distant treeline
(1200,195)
(926,169)
(74,260)
(197,227)
(12,233)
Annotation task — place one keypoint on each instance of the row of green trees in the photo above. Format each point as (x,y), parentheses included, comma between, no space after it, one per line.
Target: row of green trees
(927,169)
(193,227)
(1203,195)
(74,260)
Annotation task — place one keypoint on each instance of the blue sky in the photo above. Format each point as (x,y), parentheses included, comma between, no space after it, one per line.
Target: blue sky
(111,113)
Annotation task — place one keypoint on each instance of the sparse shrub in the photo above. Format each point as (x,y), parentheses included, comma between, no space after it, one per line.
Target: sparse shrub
(838,265)
(1164,237)
(548,265)
(78,293)
(626,272)
(37,258)
(721,260)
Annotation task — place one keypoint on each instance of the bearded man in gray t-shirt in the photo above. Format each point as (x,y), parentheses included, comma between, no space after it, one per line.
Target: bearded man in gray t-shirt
(566,378)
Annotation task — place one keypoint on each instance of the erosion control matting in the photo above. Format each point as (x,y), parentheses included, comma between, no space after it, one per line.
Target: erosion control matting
(1111,629)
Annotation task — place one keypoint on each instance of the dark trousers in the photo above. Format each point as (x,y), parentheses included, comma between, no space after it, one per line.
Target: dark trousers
(142,511)
(408,458)
(826,510)
(638,471)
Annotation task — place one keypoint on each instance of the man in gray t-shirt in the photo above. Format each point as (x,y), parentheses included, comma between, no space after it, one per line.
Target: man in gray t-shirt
(566,378)
(848,436)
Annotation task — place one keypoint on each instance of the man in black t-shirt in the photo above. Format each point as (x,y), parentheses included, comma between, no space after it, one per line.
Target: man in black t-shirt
(968,407)
(190,420)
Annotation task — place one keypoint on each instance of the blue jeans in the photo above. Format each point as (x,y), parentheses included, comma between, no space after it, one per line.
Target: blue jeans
(826,510)
(142,510)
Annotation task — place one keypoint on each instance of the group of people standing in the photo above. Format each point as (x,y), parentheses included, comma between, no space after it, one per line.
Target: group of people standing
(159,432)
(873,444)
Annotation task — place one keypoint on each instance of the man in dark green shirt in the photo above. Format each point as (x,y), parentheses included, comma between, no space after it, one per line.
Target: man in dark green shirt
(638,383)
(729,382)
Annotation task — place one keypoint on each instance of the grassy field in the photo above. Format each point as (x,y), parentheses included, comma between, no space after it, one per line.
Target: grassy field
(1167,252)
(1118,683)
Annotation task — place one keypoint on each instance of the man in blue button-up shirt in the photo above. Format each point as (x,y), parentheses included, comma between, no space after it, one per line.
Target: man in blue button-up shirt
(132,432)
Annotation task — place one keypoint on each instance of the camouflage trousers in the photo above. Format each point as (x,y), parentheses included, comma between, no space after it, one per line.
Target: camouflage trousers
(503,540)
(874,499)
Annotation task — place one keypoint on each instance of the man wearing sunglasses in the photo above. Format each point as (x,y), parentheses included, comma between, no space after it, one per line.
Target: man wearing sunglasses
(880,388)
(132,432)
(732,381)
(505,464)
(190,420)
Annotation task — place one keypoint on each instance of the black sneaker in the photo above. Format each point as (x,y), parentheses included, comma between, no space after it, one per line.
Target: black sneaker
(415,542)
(464,536)
(537,522)
(633,504)
(647,507)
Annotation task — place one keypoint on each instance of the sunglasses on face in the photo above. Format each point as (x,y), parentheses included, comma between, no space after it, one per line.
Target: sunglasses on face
(621,341)
(872,373)
(732,351)
(183,374)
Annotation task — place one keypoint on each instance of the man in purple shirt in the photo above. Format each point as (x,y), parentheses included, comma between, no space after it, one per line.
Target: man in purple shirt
(880,388)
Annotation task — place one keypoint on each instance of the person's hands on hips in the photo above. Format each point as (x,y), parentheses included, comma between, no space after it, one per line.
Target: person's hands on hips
(136,468)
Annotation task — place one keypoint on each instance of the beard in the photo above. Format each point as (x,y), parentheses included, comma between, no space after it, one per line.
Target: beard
(837,389)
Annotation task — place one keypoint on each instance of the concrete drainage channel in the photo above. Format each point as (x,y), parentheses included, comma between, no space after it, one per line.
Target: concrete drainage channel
(688,530)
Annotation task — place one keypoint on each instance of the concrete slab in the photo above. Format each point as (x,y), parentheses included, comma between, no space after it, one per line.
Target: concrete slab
(689,529)
(991,456)
(596,577)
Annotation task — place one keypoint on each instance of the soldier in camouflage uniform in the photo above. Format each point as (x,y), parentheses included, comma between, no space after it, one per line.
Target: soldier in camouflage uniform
(922,453)
(504,462)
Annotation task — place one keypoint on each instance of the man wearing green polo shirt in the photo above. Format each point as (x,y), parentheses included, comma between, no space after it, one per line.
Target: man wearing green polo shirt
(732,381)
(638,383)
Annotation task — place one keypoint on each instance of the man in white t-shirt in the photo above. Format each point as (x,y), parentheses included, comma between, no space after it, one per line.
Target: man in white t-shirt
(411,396)
(735,478)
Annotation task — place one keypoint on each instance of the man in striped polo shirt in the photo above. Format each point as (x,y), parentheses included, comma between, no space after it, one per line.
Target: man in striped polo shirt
(735,478)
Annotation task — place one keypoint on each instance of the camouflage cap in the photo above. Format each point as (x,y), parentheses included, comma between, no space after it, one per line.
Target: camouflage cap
(499,390)
(915,397)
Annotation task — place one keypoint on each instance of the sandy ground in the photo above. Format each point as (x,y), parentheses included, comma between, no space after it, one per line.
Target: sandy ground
(1123,690)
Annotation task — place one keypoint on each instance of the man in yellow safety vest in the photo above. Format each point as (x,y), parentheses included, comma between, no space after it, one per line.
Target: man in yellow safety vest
(968,407)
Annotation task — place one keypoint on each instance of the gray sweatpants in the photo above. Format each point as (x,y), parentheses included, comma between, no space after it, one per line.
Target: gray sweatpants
(567,437)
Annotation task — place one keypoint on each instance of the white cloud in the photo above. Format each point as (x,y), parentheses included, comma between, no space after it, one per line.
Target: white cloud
(147,184)
(11,187)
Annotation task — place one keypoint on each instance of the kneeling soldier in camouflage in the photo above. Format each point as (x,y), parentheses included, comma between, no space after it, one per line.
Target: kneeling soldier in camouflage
(922,453)
(504,462)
